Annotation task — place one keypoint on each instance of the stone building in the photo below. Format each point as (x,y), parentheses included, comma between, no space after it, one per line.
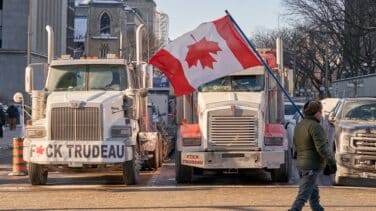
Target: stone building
(161,28)
(14,22)
(111,27)
(112,24)
(147,11)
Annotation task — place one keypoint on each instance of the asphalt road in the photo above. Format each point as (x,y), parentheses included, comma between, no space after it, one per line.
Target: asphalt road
(158,190)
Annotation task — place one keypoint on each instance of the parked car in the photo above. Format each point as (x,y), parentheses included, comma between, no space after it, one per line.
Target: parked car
(4,107)
(329,104)
(355,139)
(290,110)
(290,128)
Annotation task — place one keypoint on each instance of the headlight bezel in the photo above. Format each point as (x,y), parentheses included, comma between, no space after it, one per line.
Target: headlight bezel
(119,131)
(273,141)
(345,140)
(35,132)
(192,142)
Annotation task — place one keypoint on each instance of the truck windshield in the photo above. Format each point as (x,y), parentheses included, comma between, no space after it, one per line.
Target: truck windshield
(87,77)
(243,83)
(360,111)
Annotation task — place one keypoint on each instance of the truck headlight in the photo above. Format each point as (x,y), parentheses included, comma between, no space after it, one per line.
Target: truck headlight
(275,141)
(35,132)
(189,142)
(121,131)
(344,142)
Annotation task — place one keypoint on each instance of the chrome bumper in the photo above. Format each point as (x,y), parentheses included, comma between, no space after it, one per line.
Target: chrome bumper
(233,160)
(356,166)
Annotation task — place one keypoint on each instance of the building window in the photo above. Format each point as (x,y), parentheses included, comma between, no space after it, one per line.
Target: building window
(1,4)
(104,50)
(105,24)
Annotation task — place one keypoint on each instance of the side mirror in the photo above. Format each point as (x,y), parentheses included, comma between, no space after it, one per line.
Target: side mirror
(331,118)
(146,72)
(35,77)
(286,125)
(28,79)
(130,104)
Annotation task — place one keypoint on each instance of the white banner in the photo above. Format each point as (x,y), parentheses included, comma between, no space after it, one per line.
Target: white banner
(76,151)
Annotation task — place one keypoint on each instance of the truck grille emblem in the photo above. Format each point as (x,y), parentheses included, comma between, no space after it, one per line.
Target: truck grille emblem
(75,104)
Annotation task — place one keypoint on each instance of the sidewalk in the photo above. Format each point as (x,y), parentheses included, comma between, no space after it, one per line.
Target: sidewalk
(7,141)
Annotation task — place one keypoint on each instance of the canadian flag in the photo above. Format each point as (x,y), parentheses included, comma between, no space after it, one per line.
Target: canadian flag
(213,50)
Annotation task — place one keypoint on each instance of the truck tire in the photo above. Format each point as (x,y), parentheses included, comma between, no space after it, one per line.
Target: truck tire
(37,174)
(131,169)
(282,174)
(183,173)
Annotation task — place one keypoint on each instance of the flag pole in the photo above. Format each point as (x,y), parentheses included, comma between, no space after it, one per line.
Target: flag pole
(264,63)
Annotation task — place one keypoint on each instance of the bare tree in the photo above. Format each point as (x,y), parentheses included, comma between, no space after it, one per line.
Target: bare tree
(346,28)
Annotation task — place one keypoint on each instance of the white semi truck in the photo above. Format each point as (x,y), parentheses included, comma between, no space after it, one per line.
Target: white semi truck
(91,114)
(233,124)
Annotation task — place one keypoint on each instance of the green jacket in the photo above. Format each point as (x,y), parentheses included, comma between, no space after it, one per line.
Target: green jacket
(312,147)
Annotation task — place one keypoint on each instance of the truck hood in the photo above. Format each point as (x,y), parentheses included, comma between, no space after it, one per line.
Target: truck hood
(95,97)
(214,99)
(353,125)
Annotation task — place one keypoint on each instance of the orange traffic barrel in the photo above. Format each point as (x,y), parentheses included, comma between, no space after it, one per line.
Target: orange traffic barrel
(19,165)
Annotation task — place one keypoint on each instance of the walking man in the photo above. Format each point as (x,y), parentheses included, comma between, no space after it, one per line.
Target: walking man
(313,155)
(13,116)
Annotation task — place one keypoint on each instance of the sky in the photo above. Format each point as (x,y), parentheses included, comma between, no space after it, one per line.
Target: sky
(251,15)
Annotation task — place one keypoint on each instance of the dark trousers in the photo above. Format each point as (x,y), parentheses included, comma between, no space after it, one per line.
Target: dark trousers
(1,131)
(12,123)
(308,190)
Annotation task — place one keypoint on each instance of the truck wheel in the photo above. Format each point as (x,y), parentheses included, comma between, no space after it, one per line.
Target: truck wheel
(284,172)
(37,174)
(183,173)
(131,170)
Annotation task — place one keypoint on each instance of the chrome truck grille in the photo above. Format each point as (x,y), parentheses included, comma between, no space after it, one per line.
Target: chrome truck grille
(364,145)
(232,132)
(69,124)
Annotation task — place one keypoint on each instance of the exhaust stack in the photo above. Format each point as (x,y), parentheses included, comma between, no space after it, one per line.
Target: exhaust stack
(138,44)
(51,41)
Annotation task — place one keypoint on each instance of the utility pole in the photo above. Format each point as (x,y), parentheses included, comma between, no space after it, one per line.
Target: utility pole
(29,31)
(280,60)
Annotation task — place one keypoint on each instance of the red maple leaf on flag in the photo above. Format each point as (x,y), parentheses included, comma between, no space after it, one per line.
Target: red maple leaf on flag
(40,150)
(200,51)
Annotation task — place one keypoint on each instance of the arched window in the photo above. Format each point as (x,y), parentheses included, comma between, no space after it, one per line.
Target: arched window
(105,24)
